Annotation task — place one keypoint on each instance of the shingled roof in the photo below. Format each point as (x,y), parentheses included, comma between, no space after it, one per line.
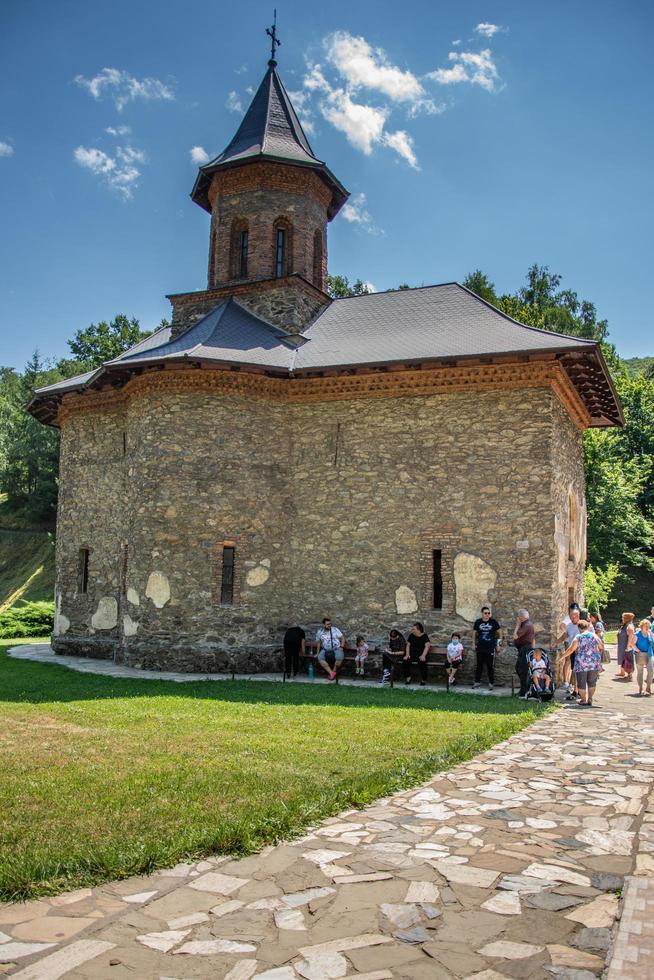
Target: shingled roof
(270,130)
(445,323)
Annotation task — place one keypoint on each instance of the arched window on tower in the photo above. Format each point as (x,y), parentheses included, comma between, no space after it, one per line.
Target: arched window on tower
(240,244)
(318,258)
(283,247)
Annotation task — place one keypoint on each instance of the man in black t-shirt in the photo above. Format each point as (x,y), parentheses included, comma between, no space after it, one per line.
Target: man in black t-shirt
(487,633)
(294,645)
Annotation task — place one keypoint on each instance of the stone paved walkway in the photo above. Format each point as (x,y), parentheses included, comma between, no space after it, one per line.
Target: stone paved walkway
(509,865)
(42,652)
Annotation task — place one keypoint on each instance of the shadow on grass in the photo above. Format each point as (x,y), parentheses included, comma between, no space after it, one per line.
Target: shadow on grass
(31,682)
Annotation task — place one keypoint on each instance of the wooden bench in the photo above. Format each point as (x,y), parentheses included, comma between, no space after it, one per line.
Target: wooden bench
(436,660)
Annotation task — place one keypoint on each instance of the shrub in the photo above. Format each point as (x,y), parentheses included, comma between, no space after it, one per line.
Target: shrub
(29,619)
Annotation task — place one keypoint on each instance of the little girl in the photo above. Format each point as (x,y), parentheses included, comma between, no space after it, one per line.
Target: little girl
(454,657)
(361,655)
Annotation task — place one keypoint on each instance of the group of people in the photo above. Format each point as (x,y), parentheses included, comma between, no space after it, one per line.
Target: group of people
(578,665)
(411,652)
(636,649)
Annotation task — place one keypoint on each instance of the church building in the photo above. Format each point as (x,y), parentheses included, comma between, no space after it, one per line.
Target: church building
(275,456)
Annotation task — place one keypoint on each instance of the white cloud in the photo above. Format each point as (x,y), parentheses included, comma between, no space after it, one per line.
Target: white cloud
(334,90)
(361,66)
(123,87)
(6,150)
(478,68)
(198,155)
(370,286)
(427,106)
(356,212)
(119,172)
(402,143)
(363,125)
(118,130)
(487,30)
(234,103)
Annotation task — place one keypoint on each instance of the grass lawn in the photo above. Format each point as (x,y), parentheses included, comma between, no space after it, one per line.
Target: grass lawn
(104,778)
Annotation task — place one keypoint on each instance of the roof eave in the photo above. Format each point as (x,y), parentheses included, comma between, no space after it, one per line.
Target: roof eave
(200,192)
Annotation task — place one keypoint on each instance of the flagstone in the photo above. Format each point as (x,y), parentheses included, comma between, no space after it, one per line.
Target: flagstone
(466,874)
(324,966)
(139,898)
(552,872)
(422,891)
(612,841)
(289,919)
(344,944)
(22,911)
(243,970)
(575,958)
(600,913)
(51,928)
(15,951)
(218,883)
(163,941)
(188,920)
(373,876)
(71,898)
(510,951)
(211,947)
(58,964)
(504,903)
(278,973)
(401,915)
(551,902)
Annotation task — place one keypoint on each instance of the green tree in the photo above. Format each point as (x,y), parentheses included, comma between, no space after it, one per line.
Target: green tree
(637,435)
(618,531)
(340,287)
(30,457)
(103,341)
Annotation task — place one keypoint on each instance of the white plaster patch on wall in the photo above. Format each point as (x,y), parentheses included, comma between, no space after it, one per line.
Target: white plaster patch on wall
(158,589)
(61,622)
(106,615)
(130,626)
(405,600)
(133,597)
(473,579)
(259,575)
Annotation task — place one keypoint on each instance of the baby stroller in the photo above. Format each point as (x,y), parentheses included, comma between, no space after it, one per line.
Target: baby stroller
(535,690)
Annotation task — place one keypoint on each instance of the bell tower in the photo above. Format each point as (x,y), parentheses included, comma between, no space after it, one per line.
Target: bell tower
(270,198)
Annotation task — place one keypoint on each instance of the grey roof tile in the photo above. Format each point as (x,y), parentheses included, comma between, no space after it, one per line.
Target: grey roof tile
(228,334)
(432,322)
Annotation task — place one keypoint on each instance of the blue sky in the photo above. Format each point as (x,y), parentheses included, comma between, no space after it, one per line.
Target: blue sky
(471,135)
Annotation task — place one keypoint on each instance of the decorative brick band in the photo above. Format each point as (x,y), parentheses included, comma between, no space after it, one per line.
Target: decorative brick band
(374,384)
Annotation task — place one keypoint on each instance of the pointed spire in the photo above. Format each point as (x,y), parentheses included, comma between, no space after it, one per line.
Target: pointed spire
(269,130)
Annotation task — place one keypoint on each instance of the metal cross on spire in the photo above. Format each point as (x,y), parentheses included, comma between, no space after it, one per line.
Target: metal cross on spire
(274,40)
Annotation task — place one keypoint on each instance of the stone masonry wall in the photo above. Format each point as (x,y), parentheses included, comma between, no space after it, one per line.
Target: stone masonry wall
(92,516)
(334,508)
(289,303)
(382,483)
(569,511)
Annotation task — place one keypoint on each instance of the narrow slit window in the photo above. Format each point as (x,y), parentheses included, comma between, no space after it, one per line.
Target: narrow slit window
(124,444)
(83,571)
(227,581)
(243,256)
(280,252)
(438,579)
